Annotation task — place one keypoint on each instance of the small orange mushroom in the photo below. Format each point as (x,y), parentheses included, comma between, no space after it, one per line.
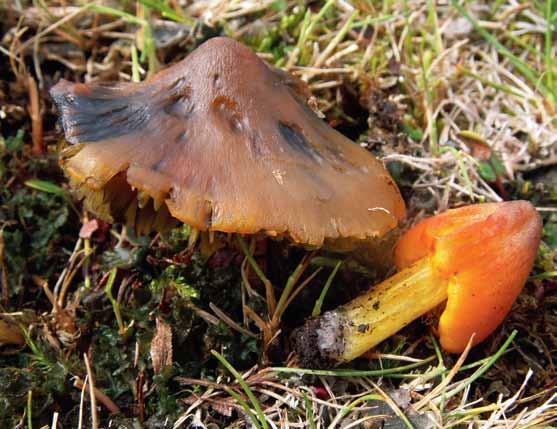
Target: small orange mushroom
(476,258)
(222,142)
(485,252)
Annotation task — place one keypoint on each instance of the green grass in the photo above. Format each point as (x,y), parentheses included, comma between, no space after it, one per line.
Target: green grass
(240,380)
(533,76)
(319,302)
(353,372)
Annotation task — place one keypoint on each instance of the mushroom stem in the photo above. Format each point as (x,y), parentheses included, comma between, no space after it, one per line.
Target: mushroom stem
(390,306)
(347,332)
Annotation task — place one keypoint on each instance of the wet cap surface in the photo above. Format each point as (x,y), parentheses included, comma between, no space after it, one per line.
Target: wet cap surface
(222,142)
(484,253)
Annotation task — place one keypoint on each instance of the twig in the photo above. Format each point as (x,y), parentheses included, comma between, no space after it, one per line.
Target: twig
(62,277)
(55,416)
(30,409)
(92,397)
(261,324)
(440,388)
(36,118)
(102,397)
(53,27)
(205,315)
(231,323)
(44,285)
(4,268)
(69,278)
(81,403)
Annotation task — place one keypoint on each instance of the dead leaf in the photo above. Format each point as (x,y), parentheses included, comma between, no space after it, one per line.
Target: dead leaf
(223,408)
(88,228)
(479,148)
(161,346)
(10,333)
(458,28)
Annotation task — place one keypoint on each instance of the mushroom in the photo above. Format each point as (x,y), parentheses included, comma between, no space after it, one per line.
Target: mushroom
(476,258)
(222,142)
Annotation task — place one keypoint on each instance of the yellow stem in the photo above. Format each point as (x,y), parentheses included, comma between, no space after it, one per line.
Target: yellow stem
(390,306)
(349,331)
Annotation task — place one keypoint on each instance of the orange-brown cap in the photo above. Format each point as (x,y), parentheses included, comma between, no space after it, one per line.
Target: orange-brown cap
(222,142)
(484,253)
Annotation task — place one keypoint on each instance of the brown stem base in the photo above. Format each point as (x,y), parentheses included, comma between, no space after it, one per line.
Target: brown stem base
(319,343)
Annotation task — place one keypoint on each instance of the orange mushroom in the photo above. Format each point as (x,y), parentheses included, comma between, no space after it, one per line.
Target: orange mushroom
(476,258)
(222,142)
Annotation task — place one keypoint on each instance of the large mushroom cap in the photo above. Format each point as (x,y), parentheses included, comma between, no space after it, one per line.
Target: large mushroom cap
(222,142)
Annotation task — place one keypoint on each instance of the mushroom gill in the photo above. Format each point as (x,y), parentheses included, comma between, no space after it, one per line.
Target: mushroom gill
(221,142)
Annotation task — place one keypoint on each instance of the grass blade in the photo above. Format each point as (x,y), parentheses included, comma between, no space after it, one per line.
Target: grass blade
(305,33)
(30,409)
(269,291)
(244,385)
(548,49)
(319,303)
(106,10)
(309,412)
(135,64)
(244,405)
(167,12)
(353,372)
(520,65)
(44,186)
(51,188)
(113,301)
(479,372)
